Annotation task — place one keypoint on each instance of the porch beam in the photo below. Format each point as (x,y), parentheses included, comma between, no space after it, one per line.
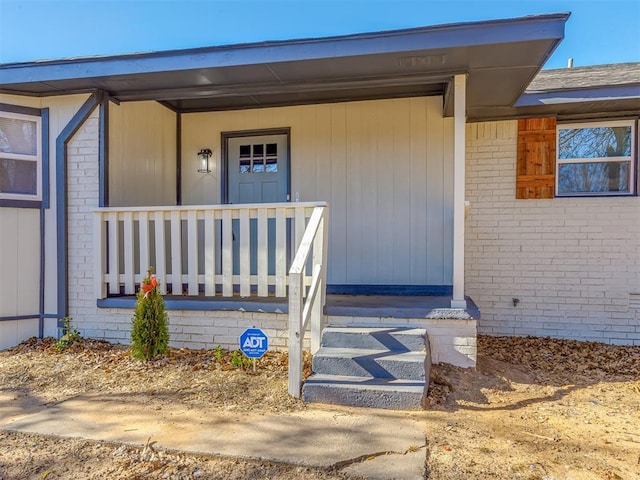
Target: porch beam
(279,88)
(459,125)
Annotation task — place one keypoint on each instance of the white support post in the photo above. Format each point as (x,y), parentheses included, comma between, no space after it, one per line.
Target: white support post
(459,125)
(317,312)
(296,333)
(99,255)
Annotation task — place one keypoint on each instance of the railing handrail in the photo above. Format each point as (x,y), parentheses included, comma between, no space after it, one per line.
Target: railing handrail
(229,206)
(300,260)
(305,309)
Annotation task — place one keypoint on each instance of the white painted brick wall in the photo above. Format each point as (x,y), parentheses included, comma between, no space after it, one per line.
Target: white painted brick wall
(571,262)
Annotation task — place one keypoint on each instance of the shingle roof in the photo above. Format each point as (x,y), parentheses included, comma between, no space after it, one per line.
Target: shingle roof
(586,77)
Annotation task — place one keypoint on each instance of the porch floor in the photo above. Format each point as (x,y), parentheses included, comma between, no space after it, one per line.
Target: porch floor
(393,306)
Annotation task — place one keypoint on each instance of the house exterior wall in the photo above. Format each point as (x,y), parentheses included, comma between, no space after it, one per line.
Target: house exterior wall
(385,168)
(571,262)
(142,154)
(20,240)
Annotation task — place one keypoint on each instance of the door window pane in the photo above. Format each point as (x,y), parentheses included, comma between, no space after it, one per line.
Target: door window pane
(272,165)
(258,150)
(245,151)
(258,166)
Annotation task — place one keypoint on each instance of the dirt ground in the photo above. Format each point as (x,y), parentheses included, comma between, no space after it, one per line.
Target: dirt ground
(533,409)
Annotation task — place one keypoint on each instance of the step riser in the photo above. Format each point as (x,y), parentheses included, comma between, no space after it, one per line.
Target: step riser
(369,366)
(389,400)
(394,341)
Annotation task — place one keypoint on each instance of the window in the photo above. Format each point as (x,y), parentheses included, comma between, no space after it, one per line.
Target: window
(596,159)
(259,158)
(20,156)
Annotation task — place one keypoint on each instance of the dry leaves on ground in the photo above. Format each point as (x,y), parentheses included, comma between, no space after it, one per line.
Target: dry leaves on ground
(195,377)
(535,408)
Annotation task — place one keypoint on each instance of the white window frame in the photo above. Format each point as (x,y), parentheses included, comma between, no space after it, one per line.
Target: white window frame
(31,158)
(630,158)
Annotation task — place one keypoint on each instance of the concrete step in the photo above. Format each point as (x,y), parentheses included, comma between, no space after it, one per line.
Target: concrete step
(364,391)
(370,363)
(396,339)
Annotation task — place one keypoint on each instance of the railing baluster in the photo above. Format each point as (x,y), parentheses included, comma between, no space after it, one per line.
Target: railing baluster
(300,219)
(161,256)
(114,253)
(263,253)
(245,253)
(129,268)
(192,242)
(281,253)
(143,226)
(209,254)
(176,253)
(227,254)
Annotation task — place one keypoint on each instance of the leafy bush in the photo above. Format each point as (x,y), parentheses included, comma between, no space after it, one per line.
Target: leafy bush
(69,337)
(239,359)
(150,329)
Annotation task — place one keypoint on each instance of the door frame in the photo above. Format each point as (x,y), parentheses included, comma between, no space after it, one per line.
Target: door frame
(224,143)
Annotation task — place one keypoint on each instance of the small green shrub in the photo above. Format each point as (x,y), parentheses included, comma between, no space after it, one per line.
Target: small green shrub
(240,360)
(150,325)
(69,336)
(218,353)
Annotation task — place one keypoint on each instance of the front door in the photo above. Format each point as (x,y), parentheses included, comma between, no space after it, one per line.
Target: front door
(257,172)
(258,169)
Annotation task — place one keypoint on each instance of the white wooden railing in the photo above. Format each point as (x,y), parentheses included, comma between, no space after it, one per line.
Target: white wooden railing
(306,305)
(215,249)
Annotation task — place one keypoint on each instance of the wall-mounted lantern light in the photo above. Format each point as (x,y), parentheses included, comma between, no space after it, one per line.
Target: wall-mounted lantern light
(203,160)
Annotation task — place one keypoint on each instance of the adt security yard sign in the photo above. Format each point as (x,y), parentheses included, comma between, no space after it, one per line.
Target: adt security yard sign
(254,343)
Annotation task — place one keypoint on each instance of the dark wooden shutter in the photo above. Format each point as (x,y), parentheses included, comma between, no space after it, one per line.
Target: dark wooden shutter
(536,162)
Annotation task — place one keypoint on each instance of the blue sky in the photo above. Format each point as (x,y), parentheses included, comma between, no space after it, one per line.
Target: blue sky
(599,31)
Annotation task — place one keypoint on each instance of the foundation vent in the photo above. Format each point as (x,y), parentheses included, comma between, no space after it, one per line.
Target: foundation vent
(634,300)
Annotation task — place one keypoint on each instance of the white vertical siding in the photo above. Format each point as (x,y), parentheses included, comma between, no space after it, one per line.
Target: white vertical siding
(20,260)
(19,273)
(142,154)
(384,166)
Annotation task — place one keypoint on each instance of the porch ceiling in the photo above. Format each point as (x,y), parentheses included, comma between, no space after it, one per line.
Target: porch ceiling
(501,58)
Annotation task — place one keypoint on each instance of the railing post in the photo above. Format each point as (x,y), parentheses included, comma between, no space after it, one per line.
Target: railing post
(192,252)
(324,236)
(296,334)
(317,308)
(99,254)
